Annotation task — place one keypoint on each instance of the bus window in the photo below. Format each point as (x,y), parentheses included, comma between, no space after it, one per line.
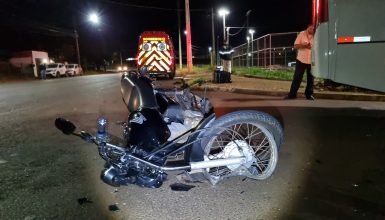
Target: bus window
(320,11)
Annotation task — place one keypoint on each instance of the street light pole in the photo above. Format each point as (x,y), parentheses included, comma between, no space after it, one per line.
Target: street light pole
(248,51)
(77,46)
(224,29)
(251,31)
(223,12)
(93,18)
(226,63)
(76,36)
(213,53)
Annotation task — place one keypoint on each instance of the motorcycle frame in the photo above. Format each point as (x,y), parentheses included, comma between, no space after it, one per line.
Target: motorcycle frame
(194,155)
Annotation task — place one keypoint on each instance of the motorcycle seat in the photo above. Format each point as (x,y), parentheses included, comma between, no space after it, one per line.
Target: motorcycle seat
(137,93)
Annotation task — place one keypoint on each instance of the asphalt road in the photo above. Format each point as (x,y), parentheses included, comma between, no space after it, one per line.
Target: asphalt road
(330,166)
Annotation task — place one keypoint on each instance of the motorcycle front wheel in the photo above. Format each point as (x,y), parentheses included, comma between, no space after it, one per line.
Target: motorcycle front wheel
(255,135)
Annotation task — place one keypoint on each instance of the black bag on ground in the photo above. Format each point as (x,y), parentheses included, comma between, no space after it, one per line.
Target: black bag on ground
(221,77)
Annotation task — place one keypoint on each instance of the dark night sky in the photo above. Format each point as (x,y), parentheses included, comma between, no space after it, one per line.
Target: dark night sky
(48,24)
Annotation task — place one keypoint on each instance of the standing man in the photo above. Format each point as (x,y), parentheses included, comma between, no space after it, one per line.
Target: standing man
(303,44)
(42,71)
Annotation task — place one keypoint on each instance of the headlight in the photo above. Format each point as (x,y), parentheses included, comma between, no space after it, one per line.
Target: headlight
(161,46)
(124,68)
(146,46)
(119,68)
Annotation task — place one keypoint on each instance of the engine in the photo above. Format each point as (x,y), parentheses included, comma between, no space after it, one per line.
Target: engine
(122,170)
(143,176)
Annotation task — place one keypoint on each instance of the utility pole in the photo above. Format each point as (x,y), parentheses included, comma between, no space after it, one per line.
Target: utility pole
(213,51)
(188,40)
(77,46)
(76,36)
(179,36)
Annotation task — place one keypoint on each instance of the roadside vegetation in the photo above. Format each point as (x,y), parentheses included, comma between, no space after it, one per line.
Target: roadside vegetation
(205,71)
(198,69)
(263,73)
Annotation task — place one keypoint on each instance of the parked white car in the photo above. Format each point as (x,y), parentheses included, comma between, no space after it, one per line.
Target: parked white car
(73,70)
(56,69)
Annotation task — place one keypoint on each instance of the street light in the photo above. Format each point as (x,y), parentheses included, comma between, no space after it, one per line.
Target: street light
(211,56)
(251,32)
(223,12)
(93,18)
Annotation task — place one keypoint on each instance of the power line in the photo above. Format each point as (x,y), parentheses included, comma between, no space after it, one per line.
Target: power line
(150,7)
(19,19)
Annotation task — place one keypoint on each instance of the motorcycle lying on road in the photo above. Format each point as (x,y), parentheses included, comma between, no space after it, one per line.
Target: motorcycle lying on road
(175,130)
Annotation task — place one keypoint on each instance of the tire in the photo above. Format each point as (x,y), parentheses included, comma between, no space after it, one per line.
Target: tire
(57,75)
(74,74)
(255,135)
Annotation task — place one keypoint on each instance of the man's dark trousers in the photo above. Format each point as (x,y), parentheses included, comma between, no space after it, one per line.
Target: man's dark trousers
(297,79)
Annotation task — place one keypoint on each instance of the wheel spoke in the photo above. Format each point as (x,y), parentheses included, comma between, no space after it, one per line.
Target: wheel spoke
(263,152)
(260,146)
(251,134)
(258,167)
(254,141)
(263,161)
(219,171)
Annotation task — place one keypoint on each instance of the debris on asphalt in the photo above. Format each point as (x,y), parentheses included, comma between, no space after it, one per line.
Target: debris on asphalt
(84,200)
(113,208)
(244,179)
(3,161)
(355,185)
(116,190)
(181,187)
(242,192)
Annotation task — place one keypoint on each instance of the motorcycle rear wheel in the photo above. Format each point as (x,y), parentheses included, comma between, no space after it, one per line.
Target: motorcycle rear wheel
(255,135)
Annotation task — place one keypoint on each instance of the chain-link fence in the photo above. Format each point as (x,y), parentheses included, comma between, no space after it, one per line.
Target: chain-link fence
(267,51)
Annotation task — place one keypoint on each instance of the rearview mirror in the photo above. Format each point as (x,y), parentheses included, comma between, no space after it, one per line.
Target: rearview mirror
(65,126)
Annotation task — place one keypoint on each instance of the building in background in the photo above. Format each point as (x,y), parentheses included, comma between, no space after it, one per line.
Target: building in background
(28,61)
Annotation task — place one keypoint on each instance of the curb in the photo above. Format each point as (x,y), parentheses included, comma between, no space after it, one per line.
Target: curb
(333,96)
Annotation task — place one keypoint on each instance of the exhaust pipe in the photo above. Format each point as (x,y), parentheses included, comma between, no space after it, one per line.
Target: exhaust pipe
(196,165)
(217,163)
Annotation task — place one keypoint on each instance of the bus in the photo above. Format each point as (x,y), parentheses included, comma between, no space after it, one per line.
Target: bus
(349,42)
